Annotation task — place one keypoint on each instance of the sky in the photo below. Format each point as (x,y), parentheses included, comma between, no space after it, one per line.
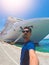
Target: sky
(24,9)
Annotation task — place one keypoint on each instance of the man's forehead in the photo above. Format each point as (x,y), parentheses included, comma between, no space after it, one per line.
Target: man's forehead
(26,29)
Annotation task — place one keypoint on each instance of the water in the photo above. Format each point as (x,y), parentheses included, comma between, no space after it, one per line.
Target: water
(43,45)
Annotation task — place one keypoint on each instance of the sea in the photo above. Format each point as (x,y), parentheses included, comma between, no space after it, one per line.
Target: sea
(43,45)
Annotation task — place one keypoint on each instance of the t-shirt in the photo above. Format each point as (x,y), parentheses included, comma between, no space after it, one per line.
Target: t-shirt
(24,60)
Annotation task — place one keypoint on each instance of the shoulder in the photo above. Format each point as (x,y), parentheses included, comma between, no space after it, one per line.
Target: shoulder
(30,45)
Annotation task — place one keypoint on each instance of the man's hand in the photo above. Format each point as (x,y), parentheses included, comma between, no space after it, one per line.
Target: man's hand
(12,43)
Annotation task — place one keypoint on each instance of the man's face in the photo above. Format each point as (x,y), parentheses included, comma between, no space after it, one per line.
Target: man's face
(26,33)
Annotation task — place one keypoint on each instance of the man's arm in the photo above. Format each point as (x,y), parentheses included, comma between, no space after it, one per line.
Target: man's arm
(33,60)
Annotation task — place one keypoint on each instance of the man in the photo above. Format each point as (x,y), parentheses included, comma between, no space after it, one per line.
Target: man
(28,55)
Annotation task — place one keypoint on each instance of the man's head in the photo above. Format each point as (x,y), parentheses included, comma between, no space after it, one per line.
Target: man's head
(27,32)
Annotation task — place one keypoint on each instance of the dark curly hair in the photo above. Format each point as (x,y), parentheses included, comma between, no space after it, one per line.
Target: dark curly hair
(28,28)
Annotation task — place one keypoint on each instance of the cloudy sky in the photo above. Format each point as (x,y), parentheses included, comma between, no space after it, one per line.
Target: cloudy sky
(24,9)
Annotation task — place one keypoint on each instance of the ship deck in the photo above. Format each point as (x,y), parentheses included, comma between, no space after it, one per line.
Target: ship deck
(10,55)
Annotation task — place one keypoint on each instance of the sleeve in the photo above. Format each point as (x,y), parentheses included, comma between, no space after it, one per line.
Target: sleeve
(30,46)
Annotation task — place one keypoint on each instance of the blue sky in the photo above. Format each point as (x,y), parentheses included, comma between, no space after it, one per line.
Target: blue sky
(24,9)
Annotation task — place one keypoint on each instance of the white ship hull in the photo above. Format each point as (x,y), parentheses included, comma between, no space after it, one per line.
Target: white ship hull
(39,31)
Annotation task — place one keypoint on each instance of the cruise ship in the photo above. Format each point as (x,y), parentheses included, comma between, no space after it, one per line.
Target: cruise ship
(13,29)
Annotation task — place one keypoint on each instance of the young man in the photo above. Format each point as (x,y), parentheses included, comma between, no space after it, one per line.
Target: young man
(28,55)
